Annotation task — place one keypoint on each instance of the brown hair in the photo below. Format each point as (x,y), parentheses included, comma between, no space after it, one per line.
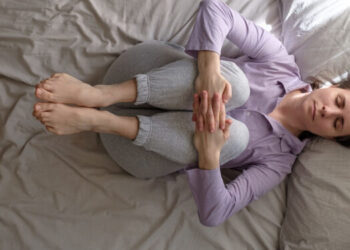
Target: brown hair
(316,84)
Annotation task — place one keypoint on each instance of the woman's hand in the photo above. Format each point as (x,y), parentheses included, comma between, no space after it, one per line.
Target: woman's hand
(212,82)
(208,144)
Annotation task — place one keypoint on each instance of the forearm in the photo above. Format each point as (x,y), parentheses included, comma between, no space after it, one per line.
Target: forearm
(208,62)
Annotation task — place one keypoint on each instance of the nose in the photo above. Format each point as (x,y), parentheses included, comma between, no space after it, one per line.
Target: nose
(330,111)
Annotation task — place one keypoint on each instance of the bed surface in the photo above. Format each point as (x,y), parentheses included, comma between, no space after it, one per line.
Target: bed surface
(65,192)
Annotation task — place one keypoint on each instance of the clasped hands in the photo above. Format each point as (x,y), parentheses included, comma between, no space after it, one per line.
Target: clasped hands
(212,127)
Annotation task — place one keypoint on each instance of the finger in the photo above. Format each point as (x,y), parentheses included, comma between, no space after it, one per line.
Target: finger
(201,122)
(222,116)
(228,123)
(196,111)
(227,93)
(194,117)
(203,110)
(204,103)
(199,116)
(216,100)
(210,118)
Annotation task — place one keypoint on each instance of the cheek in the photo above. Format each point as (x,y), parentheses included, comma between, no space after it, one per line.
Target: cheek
(324,127)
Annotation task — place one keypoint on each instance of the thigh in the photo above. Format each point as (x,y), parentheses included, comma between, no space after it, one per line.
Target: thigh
(172,73)
(172,86)
(136,160)
(171,136)
(169,147)
(239,84)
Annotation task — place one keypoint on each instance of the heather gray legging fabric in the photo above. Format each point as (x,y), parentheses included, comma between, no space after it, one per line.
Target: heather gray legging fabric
(165,86)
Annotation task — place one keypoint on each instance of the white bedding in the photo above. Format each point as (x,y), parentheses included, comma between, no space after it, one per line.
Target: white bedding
(65,192)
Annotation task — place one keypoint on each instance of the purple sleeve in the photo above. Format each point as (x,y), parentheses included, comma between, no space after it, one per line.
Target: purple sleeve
(216,201)
(217,21)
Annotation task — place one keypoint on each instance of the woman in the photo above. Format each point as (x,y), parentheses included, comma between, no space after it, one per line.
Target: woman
(261,137)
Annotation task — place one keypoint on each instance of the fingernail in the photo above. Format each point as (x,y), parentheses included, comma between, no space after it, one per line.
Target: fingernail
(39,91)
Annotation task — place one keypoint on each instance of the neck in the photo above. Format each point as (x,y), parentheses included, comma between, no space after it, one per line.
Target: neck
(287,112)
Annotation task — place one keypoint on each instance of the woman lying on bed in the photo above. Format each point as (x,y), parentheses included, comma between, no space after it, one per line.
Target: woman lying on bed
(269,110)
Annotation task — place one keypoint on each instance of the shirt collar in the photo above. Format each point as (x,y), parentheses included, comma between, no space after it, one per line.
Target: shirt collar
(296,83)
(289,142)
(293,142)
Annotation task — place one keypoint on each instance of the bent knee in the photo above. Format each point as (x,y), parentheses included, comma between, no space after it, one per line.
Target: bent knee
(239,84)
(236,143)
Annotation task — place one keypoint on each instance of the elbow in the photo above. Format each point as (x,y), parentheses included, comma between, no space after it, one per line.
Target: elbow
(210,221)
(215,217)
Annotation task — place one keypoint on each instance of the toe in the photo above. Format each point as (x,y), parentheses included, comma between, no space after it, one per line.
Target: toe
(43,94)
(37,107)
(48,86)
(35,111)
(45,114)
(45,117)
(47,106)
(40,84)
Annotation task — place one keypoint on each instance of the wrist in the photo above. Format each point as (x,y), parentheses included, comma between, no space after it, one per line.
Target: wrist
(208,62)
(209,162)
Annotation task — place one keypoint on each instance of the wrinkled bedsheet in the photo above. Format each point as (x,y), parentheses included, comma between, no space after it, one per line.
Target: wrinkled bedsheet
(65,192)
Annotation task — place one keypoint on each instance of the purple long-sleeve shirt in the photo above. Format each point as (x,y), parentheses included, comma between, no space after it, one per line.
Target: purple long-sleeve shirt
(272,149)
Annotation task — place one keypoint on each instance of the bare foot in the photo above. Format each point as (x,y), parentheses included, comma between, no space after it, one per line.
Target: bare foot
(64,88)
(62,119)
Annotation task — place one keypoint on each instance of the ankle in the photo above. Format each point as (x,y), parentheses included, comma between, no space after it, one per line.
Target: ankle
(126,91)
(109,123)
(119,92)
(106,97)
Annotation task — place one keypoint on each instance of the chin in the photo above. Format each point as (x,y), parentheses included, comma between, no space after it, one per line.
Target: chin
(324,136)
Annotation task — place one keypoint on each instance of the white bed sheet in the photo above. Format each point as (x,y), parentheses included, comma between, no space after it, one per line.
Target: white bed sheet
(65,192)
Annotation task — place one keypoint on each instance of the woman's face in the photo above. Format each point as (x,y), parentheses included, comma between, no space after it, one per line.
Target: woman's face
(327,112)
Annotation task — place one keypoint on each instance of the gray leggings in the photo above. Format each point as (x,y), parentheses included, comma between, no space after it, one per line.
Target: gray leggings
(165,86)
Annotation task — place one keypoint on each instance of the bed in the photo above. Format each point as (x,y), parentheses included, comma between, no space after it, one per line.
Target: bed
(65,192)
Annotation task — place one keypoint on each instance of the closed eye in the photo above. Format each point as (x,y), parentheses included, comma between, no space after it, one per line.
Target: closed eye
(340,102)
(337,122)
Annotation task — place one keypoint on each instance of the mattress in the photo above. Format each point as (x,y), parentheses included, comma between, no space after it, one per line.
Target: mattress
(65,192)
